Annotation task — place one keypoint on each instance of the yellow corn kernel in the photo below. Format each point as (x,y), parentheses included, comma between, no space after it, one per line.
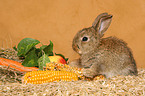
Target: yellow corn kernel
(99,77)
(63,67)
(39,77)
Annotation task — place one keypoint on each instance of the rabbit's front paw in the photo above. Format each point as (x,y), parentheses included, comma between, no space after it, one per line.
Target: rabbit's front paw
(88,73)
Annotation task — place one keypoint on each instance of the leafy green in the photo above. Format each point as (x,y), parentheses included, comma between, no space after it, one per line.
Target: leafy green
(25,45)
(31,59)
(35,56)
(49,49)
(38,52)
(42,61)
(42,47)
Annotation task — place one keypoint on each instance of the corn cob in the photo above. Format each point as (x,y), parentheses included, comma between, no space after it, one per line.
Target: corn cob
(63,67)
(56,72)
(38,77)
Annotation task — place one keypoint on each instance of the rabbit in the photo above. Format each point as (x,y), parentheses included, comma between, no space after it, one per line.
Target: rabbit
(102,56)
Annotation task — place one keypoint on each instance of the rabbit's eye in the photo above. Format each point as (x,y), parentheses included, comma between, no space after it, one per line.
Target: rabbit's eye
(85,39)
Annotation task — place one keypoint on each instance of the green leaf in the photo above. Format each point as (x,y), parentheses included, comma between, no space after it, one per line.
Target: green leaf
(42,47)
(66,59)
(42,61)
(49,49)
(38,52)
(25,45)
(31,59)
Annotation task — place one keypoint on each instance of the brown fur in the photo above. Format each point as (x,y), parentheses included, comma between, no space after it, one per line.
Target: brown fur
(107,56)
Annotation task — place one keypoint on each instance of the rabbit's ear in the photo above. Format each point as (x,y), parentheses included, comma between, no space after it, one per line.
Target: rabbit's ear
(102,23)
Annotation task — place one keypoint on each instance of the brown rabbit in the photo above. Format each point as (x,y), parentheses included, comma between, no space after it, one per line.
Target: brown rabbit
(107,56)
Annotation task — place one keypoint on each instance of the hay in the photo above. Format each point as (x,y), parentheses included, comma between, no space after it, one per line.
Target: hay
(9,54)
(10,85)
(8,74)
(120,85)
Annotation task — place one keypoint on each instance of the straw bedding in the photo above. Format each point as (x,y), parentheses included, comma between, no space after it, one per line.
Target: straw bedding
(120,85)
(10,85)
